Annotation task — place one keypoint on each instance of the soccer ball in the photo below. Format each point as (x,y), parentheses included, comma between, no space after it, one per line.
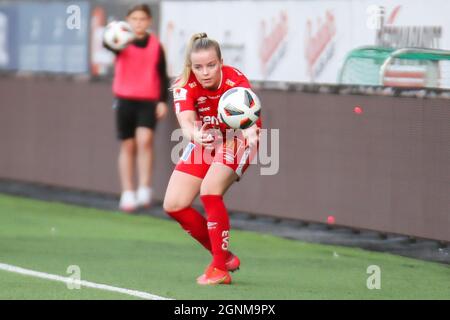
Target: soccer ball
(239,108)
(118,34)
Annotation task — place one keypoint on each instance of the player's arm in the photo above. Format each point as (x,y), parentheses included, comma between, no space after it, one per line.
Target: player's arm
(187,117)
(161,107)
(116,52)
(192,130)
(105,45)
(251,135)
(164,78)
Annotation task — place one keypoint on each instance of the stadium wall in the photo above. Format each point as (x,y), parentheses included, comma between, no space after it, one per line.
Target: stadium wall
(385,169)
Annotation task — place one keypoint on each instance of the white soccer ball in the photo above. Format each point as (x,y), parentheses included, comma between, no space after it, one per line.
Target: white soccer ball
(118,34)
(239,108)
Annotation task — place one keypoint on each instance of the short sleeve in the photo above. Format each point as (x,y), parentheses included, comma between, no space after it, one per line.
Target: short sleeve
(240,79)
(182,100)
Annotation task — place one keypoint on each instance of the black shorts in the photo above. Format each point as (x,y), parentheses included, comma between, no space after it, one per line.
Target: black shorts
(131,114)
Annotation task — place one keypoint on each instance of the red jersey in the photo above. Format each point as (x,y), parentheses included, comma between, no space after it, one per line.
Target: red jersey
(205,102)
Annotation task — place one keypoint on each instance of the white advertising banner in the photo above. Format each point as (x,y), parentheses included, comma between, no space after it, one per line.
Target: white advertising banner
(300,41)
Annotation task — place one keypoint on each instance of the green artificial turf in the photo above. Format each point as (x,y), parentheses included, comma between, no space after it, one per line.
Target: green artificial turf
(156,256)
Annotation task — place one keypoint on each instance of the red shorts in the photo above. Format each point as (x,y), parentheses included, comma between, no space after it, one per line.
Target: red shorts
(232,153)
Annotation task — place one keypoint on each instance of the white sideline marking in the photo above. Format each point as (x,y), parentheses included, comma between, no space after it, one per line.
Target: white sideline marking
(48,276)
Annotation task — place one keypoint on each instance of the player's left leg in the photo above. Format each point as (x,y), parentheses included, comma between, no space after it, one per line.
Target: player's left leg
(126,162)
(181,191)
(144,143)
(216,182)
(230,162)
(146,124)
(125,115)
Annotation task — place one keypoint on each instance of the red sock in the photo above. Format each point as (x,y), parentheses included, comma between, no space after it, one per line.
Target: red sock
(218,228)
(194,224)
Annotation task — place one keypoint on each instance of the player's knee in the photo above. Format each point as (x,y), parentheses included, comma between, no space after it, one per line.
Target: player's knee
(128,146)
(145,142)
(207,189)
(172,205)
(168,205)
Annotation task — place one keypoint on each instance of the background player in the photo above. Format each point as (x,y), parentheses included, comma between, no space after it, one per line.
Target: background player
(140,87)
(196,96)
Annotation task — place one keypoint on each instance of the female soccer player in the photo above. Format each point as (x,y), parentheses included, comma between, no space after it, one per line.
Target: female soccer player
(196,95)
(140,87)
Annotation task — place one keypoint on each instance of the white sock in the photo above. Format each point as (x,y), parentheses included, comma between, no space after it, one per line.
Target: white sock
(144,195)
(128,200)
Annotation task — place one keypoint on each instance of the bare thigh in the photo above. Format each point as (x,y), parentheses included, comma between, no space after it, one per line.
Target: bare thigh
(217,180)
(144,138)
(181,191)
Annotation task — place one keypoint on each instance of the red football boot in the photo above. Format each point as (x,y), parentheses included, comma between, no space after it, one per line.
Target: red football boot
(214,276)
(233,263)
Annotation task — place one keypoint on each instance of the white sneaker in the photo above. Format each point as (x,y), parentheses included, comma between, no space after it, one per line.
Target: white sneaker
(144,197)
(128,201)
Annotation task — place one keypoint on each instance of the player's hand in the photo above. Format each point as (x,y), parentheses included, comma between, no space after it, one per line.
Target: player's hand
(251,135)
(161,110)
(204,136)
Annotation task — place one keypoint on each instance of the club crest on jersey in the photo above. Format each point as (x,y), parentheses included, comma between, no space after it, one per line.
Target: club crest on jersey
(230,83)
(179,94)
(192,85)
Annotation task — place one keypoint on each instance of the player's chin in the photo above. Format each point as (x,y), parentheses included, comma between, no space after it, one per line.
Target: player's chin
(208,85)
(139,31)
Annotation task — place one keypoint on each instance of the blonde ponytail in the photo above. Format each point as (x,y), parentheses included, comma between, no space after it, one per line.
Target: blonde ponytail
(197,42)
